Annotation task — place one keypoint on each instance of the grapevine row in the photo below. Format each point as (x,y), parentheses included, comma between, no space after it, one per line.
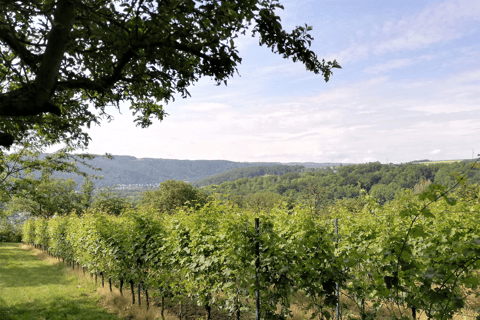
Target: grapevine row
(402,256)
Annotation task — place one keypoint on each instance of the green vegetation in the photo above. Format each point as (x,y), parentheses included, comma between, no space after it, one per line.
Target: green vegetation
(250,172)
(47,196)
(24,163)
(10,231)
(323,186)
(172,195)
(406,240)
(35,289)
(418,253)
(108,201)
(184,245)
(259,187)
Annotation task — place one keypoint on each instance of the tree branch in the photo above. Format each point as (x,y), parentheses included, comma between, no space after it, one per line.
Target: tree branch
(10,40)
(20,103)
(58,39)
(104,83)
(117,70)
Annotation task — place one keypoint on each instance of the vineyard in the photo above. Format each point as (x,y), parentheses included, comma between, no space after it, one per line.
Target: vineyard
(418,254)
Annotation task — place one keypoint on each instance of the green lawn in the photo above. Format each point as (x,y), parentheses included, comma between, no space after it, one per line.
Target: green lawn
(31,288)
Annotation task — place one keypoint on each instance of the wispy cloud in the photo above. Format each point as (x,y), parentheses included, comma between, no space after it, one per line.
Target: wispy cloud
(436,23)
(206,107)
(343,124)
(389,65)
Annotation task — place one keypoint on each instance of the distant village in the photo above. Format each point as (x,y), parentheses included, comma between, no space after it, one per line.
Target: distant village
(138,186)
(135,186)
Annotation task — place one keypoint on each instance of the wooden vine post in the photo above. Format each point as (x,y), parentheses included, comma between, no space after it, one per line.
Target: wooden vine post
(257,267)
(337,290)
(138,289)
(133,291)
(146,297)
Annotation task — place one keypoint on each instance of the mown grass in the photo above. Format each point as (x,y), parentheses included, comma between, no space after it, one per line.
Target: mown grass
(31,288)
(439,162)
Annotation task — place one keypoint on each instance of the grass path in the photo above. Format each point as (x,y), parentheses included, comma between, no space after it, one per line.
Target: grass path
(38,288)
(31,288)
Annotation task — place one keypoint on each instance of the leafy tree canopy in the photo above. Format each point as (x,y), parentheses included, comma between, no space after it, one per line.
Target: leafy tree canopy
(108,201)
(47,196)
(171,195)
(321,187)
(58,57)
(21,166)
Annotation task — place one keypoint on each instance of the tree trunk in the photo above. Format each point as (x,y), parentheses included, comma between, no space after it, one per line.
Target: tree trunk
(58,39)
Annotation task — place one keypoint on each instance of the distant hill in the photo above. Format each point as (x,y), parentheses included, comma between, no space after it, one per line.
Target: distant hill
(318,165)
(147,172)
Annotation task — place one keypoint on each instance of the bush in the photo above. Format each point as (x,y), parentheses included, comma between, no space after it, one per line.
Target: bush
(172,195)
(10,231)
(108,201)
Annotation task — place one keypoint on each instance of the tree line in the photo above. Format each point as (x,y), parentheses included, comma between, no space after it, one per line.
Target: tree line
(28,185)
(321,187)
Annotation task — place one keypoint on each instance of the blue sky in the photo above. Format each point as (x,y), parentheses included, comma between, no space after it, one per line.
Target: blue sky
(409,88)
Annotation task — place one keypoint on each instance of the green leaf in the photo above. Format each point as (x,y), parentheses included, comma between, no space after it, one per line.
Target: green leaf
(406,213)
(449,200)
(471,280)
(427,213)
(418,231)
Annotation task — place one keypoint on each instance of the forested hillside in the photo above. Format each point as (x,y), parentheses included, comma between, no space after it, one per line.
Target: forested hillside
(249,172)
(148,172)
(129,170)
(327,184)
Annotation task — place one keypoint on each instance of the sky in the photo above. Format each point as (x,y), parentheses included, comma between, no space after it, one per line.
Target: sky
(409,89)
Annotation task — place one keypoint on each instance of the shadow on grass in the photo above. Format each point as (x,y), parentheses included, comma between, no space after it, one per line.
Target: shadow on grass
(59,308)
(31,288)
(20,268)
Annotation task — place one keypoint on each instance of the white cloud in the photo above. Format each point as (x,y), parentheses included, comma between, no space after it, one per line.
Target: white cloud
(389,65)
(206,107)
(362,122)
(436,151)
(439,22)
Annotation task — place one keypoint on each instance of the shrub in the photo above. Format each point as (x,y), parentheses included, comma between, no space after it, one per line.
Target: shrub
(10,231)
